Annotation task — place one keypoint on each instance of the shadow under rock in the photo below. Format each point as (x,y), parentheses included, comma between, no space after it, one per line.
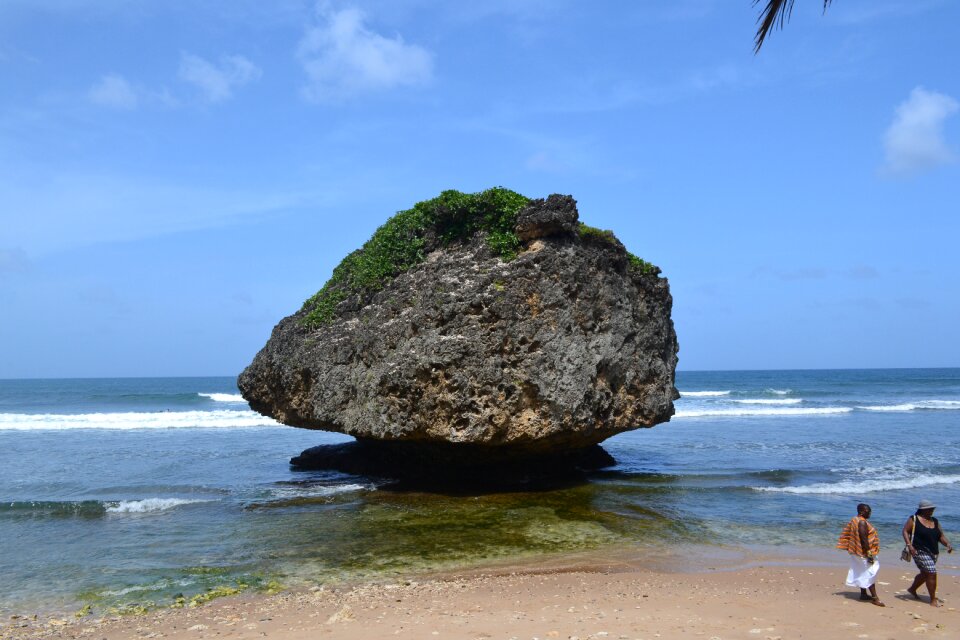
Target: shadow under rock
(456,470)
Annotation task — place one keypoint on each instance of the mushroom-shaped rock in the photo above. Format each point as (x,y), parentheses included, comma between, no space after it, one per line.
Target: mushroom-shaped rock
(484,324)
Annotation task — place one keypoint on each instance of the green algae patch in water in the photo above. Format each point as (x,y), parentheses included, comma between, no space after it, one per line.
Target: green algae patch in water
(188,587)
(213,593)
(386,534)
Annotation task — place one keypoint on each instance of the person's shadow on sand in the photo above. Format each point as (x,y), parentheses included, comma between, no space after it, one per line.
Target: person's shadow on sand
(853,595)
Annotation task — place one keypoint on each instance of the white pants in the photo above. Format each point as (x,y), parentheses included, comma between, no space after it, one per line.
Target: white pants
(862,574)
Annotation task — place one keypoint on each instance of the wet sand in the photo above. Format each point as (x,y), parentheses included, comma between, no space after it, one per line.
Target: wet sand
(725,595)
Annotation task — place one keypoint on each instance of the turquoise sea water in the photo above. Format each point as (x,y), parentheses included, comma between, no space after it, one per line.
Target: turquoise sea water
(125,491)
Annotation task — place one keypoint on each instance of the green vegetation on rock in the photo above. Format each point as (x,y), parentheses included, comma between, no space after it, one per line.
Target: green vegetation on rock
(642,266)
(637,265)
(603,235)
(400,243)
(404,240)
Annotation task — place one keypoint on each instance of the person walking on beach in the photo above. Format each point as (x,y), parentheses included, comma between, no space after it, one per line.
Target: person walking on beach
(923,536)
(859,539)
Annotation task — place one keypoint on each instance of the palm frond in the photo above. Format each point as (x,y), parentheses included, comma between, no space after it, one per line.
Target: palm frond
(774,14)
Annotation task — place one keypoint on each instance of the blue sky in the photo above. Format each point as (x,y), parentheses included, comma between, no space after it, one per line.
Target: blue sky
(177,176)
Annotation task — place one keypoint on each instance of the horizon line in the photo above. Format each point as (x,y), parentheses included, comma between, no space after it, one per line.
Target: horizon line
(139,377)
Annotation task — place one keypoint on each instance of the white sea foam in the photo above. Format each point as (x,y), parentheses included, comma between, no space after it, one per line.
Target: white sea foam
(147,505)
(223,397)
(769,401)
(890,407)
(786,411)
(132,420)
(703,394)
(866,486)
(316,491)
(166,583)
(943,405)
(780,392)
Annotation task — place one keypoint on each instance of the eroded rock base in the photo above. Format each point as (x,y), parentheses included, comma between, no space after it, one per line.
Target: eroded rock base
(453,468)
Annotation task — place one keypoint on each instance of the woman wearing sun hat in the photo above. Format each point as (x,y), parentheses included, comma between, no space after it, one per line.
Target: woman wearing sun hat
(923,536)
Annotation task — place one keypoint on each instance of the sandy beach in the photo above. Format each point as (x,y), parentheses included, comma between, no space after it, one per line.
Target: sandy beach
(758,596)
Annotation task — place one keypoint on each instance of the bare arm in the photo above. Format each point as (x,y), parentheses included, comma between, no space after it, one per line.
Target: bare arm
(907,535)
(943,539)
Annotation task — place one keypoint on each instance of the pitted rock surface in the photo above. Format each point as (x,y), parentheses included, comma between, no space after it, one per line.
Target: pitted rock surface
(556,215)
(556,350)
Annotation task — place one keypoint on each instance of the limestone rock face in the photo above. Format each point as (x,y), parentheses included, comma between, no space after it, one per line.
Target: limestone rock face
(557,215)
(556,350)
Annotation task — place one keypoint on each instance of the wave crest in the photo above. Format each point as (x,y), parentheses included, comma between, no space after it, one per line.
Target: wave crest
(147,505)
(942,405)
(224,397)
(134,420)
(865,486)
(703,394)
(785,411)
(777,401)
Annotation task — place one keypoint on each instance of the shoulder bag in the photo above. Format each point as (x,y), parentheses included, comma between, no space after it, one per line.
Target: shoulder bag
(905,554)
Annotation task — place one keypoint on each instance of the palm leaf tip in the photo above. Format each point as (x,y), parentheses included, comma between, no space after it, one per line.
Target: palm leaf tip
(774,13)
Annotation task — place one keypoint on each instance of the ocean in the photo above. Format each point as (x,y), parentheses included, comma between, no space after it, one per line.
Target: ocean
(122,493)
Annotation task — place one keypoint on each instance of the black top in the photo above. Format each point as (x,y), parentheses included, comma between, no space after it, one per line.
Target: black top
(927,538)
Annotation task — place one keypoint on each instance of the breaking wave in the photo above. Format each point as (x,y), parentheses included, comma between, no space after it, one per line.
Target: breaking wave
(298,494)
(865,486)
(134,420)
(316,491)
(770,401)
(703,394)
(91,508)
(147,505)
(224,397)
(786,411)
(913,406)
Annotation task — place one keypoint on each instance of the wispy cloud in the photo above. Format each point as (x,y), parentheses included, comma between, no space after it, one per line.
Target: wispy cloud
(914,303)
(217,82)
(857,272)
(862,272)
(859,13)
(10,53)
(343,58)
(68,210)
(590,97)
(915,141)
(114,92)
(545,161)
(13,261)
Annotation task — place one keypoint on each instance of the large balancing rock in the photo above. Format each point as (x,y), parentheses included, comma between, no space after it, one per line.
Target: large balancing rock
(477,322)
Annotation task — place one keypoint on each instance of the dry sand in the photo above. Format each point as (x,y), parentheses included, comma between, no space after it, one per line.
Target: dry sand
(753,599)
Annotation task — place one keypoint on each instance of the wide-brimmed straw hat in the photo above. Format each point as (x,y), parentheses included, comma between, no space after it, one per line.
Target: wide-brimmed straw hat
(925,504)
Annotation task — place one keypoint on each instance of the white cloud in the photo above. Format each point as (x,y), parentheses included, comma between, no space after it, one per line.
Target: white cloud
(115,92)
(217,81)
(343,58)
(915,141)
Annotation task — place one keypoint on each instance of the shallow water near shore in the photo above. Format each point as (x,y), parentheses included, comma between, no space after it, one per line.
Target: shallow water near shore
(115,492)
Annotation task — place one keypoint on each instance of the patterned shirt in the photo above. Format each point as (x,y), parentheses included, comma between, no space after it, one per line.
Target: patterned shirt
(850,538)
